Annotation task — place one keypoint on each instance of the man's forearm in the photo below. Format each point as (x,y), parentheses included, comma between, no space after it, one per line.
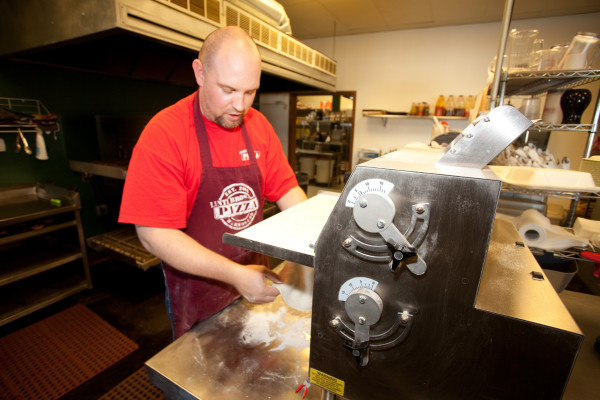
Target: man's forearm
(294,196)
(185,254)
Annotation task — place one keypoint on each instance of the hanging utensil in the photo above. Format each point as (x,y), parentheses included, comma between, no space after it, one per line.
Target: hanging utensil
(28,150)
(18,145)
(40,145)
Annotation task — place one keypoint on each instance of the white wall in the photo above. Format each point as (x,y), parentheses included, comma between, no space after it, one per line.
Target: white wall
(390,70)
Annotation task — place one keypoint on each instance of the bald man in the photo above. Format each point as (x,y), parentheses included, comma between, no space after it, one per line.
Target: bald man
(203,167)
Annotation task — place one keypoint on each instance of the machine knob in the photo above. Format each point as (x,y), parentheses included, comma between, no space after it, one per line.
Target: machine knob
(364,307)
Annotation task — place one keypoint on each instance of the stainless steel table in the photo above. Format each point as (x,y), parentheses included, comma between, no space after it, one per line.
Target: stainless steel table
(247,351)
(251,351)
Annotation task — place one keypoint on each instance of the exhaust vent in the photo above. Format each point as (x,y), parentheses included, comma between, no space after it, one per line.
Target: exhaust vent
(153,39)
(278,41)
(211,12)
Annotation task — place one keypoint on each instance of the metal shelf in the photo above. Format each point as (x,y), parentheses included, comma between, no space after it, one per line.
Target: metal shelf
(385,117)
(22,298)
(573,196)
(15,128)
(537,82)
(571,254)
(26,262)
(42,247)
(537,192)
(30,110)
(108,169)
(27,106)
(124,245)
(540,126)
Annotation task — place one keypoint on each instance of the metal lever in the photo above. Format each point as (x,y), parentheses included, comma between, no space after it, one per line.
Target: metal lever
(402,250)
(364,307)
(360,352)
(374,212)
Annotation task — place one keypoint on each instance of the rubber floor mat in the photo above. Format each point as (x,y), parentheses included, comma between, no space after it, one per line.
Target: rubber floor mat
(136,387)
(51,357)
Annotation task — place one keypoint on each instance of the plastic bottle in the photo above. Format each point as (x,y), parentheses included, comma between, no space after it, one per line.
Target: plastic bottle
(459,110)
(425,108)
(450,104)
(439,106)
(469,105)
(419,109)
(413,109)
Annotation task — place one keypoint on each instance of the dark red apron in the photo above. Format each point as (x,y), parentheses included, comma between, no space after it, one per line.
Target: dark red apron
(229,199)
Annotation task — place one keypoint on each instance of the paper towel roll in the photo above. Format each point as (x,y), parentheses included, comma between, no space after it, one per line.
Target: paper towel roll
(537,231)
(532,227)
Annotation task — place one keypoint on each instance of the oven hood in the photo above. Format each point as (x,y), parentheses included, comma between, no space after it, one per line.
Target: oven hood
(154,39)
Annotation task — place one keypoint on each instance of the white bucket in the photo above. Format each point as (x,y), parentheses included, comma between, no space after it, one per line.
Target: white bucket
(324,170)
(307,165)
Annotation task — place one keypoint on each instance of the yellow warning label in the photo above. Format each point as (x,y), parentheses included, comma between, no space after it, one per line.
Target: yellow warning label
(328,382)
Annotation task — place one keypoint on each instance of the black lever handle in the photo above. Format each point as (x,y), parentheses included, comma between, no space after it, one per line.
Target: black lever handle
(399,255)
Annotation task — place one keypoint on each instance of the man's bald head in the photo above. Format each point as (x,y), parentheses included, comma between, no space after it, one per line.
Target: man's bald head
(230,38)
(227,71)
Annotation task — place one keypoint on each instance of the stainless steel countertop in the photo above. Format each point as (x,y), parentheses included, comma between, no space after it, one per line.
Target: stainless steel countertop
(247,351)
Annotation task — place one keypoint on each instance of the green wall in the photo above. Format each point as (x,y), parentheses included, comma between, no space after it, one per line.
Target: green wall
(76,97)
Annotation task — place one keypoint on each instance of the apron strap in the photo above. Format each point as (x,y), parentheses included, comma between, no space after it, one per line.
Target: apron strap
(202,135)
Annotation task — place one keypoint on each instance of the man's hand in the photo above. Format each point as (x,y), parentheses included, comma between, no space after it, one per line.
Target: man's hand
(182,252)
(250,282)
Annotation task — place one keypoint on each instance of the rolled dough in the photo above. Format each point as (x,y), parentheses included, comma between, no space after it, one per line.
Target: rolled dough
(297,287)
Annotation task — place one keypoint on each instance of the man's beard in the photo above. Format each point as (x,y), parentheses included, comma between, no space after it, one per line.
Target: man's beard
(228,124)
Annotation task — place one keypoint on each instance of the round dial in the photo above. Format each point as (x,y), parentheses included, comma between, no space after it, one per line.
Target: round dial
(356,283)
(368,186)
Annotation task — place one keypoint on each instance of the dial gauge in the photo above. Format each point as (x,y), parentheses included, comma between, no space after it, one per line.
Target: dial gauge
(356,283)
(368,186)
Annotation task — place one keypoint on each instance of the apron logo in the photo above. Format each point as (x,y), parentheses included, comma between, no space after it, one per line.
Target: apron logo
(245,157)
(237,206)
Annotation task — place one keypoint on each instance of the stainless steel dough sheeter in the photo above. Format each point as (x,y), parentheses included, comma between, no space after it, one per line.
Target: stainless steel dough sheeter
(419,292)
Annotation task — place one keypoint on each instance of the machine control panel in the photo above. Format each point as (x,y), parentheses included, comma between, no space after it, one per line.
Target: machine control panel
(375,214)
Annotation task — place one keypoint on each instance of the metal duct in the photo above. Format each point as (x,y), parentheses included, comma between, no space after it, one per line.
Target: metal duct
(152,39)
(269,8)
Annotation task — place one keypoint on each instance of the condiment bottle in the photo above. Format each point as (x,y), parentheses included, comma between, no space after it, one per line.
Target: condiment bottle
(469,105)
(425,108)
(413,109)
(439,106)
(459,110)
(450,104)
(419,109)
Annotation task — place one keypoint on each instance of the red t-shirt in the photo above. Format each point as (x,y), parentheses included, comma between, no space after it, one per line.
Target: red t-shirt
(165,169)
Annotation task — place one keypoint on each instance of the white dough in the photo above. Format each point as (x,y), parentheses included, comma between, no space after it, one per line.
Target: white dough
(297,287)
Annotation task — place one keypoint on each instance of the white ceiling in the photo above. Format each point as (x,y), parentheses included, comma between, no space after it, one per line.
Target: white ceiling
(325,18)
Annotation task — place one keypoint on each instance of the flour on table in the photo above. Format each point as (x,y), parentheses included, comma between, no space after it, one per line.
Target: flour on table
(276,329)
